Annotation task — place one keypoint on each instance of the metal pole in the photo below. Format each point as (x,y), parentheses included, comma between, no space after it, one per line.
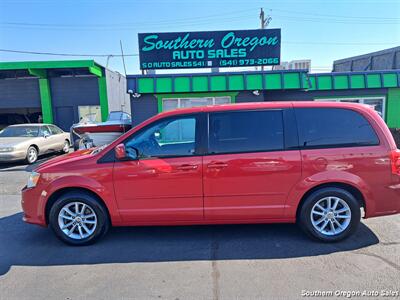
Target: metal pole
(262,20)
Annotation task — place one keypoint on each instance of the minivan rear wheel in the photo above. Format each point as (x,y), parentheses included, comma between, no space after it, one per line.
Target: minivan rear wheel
(330,214)
(78,219)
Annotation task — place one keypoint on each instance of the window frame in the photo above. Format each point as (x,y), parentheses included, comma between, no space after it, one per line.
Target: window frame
(290,132)
(42,127)
(198,142)
(360,99)
(57,129)
(179,99)
(336,146)
(290,135)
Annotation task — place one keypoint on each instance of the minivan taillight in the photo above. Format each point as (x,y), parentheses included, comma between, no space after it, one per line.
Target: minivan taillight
(395,158)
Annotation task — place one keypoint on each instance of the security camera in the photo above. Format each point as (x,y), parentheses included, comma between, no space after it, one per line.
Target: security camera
(256,93)
(130,92)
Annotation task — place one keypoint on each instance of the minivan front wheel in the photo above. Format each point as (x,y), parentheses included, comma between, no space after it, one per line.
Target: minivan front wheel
(78,218)
(330,214)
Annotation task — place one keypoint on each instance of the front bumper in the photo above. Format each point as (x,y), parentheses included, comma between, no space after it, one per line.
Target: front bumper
(33,204)
(12,156)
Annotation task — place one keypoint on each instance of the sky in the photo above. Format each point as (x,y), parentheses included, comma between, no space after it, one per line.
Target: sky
(320,30)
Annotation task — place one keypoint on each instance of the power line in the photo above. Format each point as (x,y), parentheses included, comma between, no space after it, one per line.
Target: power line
(334,16)
(130,27)
(301,16)
(340,43)
(339,21)
(207,18)
(136,54)
(63,54)
(112,27)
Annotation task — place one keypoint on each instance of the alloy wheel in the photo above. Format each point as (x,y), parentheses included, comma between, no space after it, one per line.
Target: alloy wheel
(66,147)
(77,220)
(330,215)
(32,155)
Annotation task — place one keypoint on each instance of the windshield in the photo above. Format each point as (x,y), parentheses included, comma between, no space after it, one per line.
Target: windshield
(20,131)
(115,116)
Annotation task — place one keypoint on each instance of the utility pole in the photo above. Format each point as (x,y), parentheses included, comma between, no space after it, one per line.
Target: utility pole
(262,18)
(264,23)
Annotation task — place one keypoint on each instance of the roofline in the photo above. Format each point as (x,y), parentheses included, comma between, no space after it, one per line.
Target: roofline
(29,124)
(169,75)
(367,55)
(356,72)
(50,64)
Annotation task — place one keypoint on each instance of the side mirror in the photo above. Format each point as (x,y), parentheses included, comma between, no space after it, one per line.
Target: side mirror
(46,135)
(120,152)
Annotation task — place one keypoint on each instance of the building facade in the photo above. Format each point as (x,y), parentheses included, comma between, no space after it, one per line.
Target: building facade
(388,59)
(61,92)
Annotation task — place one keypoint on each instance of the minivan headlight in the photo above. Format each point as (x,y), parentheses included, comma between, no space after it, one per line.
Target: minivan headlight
(33,179)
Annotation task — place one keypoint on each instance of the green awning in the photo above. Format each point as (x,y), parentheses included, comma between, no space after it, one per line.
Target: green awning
(354,80)
(265,80)
(217,82)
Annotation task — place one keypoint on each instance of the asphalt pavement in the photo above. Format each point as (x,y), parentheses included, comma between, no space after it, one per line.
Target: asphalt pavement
(192,262)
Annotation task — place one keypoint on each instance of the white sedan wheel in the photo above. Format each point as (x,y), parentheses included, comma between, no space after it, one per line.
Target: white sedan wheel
(31,155)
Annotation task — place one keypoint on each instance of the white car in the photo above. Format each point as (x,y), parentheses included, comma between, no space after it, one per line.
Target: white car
(29,141)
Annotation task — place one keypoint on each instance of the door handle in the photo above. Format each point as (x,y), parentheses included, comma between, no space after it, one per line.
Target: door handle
(187,167)
(217,165)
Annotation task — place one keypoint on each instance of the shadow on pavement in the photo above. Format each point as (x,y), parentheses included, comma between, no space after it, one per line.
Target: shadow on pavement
(22,166)
(28,245)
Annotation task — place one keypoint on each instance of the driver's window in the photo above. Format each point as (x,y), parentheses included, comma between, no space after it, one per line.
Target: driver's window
(172,137)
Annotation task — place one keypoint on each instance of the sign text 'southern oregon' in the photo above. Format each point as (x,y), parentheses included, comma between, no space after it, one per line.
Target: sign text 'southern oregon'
(209,49)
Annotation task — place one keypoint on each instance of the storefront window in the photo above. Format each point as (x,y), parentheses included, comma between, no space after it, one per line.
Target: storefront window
(89,113)
(174,103)
(378,103)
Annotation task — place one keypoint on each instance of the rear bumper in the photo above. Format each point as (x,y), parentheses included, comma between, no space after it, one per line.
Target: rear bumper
(386,202)
(33,206)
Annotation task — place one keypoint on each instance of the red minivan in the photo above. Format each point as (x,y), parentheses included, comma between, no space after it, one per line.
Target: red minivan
(313,163)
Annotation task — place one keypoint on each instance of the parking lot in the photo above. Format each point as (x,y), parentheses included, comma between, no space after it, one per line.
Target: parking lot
(191,262)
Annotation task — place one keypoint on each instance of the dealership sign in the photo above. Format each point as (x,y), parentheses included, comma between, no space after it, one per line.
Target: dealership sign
(209,49)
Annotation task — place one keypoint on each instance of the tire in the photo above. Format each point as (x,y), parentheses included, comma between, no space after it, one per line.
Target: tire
(315,213)
(84,231)
(31,155)
(65,148)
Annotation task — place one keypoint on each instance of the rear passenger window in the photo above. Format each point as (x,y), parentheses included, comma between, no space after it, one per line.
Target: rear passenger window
(55,130)
(333,127)
(245,131)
